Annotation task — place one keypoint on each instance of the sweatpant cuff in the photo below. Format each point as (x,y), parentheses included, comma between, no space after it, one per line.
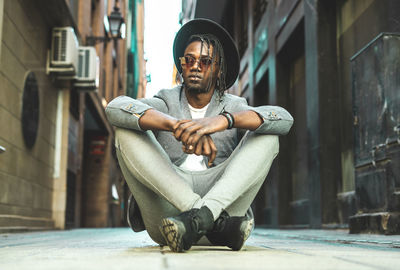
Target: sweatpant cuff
(198,204)
(215,209)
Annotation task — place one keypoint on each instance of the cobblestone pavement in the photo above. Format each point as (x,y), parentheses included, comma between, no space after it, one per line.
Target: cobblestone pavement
(120,248)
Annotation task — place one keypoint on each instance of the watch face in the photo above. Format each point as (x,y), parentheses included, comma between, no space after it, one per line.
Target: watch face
(30,110)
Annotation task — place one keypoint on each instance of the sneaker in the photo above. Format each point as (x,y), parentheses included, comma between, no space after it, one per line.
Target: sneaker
(231,231)
(134,217)
(184,230)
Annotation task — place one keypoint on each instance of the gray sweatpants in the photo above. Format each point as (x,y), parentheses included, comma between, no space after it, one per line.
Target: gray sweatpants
(161,189)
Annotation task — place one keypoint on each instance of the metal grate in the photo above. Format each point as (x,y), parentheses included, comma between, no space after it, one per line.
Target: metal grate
(80,65)
(87,63)
(56,52)
(63,45)
(30,110)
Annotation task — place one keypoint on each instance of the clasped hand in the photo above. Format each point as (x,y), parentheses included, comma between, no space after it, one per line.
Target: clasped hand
(195,135)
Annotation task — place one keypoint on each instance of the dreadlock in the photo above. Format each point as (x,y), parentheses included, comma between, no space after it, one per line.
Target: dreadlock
(217,56)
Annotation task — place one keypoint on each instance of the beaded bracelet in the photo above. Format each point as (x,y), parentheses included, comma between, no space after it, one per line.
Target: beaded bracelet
(229,117)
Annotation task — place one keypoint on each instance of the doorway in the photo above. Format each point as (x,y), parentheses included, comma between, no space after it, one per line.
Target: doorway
(293,159)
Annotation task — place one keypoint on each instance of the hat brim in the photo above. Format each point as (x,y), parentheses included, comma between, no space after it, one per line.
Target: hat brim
(205,26)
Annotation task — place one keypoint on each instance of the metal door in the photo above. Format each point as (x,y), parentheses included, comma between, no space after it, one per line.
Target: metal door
(376,106)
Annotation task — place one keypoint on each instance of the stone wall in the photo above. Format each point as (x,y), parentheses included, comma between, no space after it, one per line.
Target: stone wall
(26,175)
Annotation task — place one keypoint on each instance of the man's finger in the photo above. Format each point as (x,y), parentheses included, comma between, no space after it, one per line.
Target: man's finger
(213,151)
(184,148)
(188,149)
(181,128)
(180,122)
(195,137)
(187,133)
(199,148)
(206,147)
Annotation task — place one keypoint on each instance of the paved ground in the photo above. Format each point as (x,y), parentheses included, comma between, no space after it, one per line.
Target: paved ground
(266,249)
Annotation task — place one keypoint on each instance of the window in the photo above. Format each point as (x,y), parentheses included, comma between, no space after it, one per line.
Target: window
(259,8)
(30,110)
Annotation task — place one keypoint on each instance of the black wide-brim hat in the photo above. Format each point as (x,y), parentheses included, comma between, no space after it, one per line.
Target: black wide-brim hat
(205,26)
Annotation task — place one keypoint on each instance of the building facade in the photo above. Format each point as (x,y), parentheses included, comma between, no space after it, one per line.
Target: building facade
(58,168)
(299,54)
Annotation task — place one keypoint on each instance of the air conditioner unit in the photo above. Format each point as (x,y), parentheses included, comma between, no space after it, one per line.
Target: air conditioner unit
(87,76)
(64,51)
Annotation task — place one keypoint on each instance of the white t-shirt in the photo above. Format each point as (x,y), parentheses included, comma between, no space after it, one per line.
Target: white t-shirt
(194,162)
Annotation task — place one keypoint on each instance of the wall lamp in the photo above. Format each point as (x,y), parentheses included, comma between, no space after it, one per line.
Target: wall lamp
(114,24)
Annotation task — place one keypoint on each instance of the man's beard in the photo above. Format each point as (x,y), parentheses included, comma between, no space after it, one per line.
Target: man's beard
(197,89)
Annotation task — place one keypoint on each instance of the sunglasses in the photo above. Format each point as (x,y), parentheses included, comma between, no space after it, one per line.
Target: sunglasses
(189,61)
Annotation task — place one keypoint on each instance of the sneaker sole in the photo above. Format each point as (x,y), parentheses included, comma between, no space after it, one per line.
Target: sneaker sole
(246,227)
(247,230)
(173,231)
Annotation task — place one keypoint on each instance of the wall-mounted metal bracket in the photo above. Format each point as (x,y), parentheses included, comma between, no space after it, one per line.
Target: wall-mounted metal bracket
(92,40)
(374,150)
